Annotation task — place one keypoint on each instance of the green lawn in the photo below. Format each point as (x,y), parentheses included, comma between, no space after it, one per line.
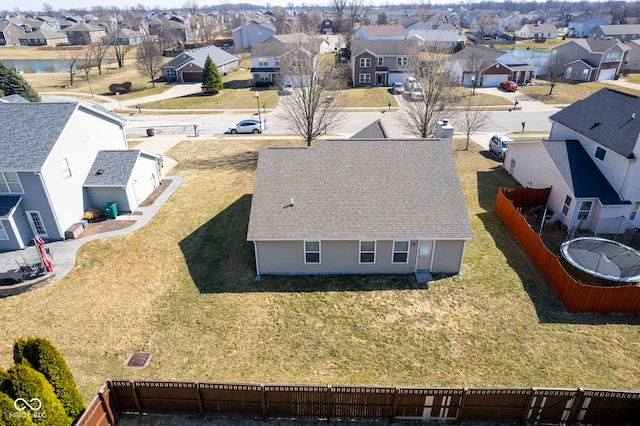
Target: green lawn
(183,288)
(567,93)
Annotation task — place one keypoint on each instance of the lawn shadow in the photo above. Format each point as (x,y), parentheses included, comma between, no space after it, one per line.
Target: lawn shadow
(548,306)
(220,260)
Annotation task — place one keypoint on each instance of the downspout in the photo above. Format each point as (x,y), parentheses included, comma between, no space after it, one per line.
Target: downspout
(255,249)
(55,216)
(624,181)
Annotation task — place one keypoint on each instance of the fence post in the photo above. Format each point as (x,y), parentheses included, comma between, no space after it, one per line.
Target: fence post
(114,396)
(395,405)
(528,407)
(463,401)
(136,399)
(199,399)
(263,403)
(576,407)
(329,408)
(106,408)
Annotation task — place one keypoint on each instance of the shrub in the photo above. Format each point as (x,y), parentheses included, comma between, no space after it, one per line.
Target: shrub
(12,83)
(42,356)
(89,215)
(120,87)
(27,383)
(9,416)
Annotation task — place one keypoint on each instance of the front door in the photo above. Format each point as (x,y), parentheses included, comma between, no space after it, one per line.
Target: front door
(37,225)
(381,79)
(424,256)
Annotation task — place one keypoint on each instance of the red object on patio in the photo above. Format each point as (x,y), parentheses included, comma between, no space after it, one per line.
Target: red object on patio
(42,251)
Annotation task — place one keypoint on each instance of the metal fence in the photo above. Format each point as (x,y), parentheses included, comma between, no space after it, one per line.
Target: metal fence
(393,404)
(575,296)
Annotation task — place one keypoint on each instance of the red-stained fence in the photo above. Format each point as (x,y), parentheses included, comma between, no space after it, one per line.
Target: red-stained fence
(575,296)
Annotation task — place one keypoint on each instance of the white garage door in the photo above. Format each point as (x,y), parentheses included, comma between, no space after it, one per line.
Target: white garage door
(607,74)
(494,80)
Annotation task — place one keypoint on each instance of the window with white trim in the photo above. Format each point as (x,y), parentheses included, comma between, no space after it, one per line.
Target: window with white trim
(311,252)
(402,61)
(567,204)
(3,232)
(263,62)
(65,168)
(585,209)
(365,62)
(380,61)
(367,252)
(10,183)
(276,62)
(634,210)
(364,78)
(400,252)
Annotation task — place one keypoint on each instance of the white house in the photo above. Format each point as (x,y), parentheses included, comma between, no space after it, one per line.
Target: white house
(252,31)
(590,161)
(531,31)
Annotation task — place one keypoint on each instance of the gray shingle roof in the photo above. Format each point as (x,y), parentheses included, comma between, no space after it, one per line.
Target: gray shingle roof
(31,129)
(199,56)
(29,132)
(352,189)
(580,173)
(374,130)
(613,110)
(382,47)
(112,168)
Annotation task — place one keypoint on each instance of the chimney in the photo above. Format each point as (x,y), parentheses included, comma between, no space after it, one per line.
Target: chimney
(444,130)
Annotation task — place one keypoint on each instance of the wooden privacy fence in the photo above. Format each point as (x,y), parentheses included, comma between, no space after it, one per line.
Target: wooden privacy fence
(326,402)
(575,296)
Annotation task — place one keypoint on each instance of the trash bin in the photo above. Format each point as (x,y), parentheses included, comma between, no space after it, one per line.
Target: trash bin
(151,132)
(111,209)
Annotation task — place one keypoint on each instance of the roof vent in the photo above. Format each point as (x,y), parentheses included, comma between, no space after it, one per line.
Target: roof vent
(633,115)
(99,171)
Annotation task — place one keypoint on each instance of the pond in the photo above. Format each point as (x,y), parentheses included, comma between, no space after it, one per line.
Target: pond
(529,54)
(39,66)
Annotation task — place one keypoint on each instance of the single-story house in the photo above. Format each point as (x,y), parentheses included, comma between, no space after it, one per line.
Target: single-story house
(359,206)
(188,66)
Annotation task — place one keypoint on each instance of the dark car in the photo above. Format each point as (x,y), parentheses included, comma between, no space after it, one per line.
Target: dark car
(509,86)
(246,126)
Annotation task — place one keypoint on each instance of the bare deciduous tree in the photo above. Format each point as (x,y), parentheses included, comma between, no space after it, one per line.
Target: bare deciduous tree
(427,62)
(115,39)
(70,59)
(149,59)
(340,6)
(475,64)
(473,119)
(313,107)
(555,70)
(99,51)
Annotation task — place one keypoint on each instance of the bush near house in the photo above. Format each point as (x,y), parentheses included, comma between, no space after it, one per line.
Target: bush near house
(27,383)
(120,87)
(8,412)
(41,355)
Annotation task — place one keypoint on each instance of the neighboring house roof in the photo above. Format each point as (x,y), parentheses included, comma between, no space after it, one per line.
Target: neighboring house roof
(112,168)
(382,47)
(374,130)
(618,30)
(540,28)
(608,117)
(383,30)
(353,189)
(14,99)
(198,57)
(579,172)
(447,27)
(480,52)
(30,130)
(290,38)
(274,49)
(44,34)
(83,28)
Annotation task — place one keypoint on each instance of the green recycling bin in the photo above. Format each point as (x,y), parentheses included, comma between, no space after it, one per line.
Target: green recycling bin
(111,209)
(151,132)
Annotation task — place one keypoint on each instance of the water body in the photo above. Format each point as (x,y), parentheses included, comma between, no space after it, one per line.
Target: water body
(39,66)
(529,54)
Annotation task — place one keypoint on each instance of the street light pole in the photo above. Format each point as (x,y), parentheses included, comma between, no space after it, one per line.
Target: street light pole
(258,102)
(473,86)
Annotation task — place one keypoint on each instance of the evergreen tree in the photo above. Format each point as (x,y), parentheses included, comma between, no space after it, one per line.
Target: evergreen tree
(12,83)
(211,81)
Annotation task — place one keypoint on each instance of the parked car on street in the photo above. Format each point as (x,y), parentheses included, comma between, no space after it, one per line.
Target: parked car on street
(246,126)
(509,86)
(417,94)
(287,89)
(498,144)
(409,82)
(397,88)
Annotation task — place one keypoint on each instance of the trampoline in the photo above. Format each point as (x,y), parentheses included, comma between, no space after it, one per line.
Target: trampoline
(603,258)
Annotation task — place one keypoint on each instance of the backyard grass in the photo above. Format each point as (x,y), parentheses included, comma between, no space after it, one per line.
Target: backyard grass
(183,288)
(567,93)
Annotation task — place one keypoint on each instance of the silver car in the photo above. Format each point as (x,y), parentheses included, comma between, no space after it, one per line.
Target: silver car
(499,144)
(397,88)
(246,126)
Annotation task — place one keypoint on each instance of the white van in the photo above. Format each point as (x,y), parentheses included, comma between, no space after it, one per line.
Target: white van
(417,94)
(409,83)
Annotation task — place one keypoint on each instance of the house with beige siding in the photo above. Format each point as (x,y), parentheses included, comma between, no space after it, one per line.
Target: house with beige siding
(359,206)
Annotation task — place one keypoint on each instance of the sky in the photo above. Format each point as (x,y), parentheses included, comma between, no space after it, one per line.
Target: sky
(36,5)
